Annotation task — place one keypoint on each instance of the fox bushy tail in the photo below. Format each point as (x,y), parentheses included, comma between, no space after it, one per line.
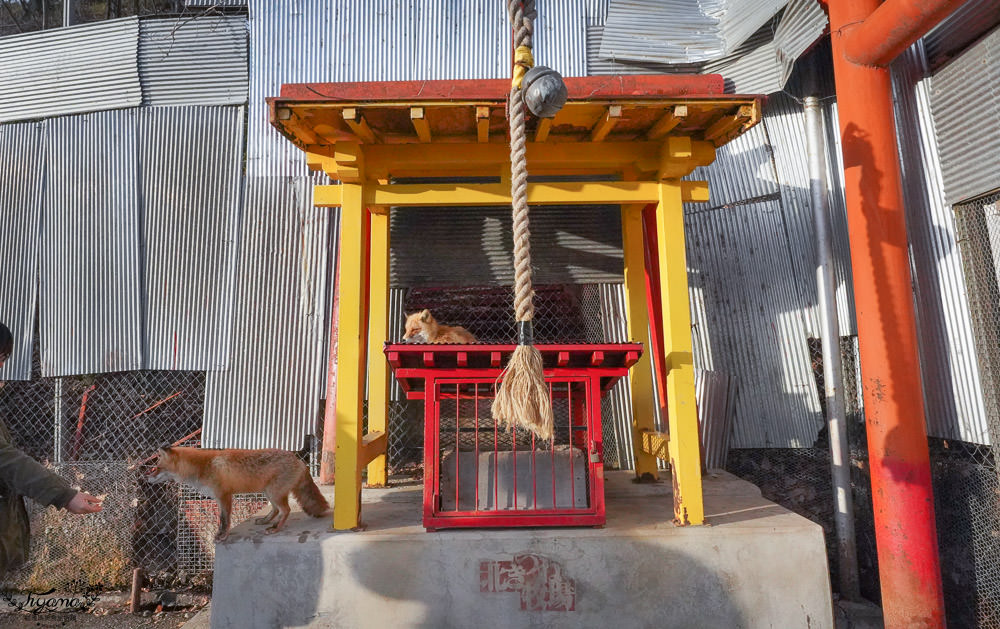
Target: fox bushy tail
(308,495)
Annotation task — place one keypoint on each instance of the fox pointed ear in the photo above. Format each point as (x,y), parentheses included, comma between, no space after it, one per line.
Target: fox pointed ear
(425,316)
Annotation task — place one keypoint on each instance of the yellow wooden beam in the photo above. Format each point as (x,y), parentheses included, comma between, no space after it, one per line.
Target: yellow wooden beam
(606,123)
(358,124)
(378,333)
(723,127)
(483,124)
(453,194)
(352,323)
(420,124)
(328,196)
(684,447)
(667,122)
(694,191)
(350,159)
(655,444)
(680,155)
(542,130)
(637,320)
(373,447)
(443,158)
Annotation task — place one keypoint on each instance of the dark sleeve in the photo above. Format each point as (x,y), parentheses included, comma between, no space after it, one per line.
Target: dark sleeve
(26,476)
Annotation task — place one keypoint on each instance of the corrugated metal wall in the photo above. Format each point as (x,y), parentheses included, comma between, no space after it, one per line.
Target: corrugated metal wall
(90,308)
(83,68)
(965,110)
(22,155)
(952,388)
(268,397)
(191,199)
(963,27)
(473,246)
(175,54)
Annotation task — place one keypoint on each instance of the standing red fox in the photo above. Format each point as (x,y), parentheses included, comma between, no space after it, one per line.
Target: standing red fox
(223,473)
(422,327)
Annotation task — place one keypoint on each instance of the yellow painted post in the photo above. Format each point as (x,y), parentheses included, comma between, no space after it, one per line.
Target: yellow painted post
(352,328)
(684,447)
(637,318)
(378,333)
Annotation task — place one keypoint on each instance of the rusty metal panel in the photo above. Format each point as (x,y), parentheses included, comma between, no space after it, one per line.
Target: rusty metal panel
(268,397)
(85,68)
(968,136)
(952,386)
(22,168)
(90,306)
(190,160)
(202,61)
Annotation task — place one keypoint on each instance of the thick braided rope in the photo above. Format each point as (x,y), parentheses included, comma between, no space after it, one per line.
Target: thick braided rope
(522,19)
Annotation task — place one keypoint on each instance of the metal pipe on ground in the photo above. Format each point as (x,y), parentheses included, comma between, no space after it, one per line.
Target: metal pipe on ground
(833,370)
(902,496)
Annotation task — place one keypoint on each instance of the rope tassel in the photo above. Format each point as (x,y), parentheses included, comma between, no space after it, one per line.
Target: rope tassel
(523,396)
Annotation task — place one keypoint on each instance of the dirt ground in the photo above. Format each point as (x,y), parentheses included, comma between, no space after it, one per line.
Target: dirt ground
(159,611)
(163,620)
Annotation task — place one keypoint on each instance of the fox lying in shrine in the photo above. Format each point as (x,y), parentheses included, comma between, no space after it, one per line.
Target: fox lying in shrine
(422,327)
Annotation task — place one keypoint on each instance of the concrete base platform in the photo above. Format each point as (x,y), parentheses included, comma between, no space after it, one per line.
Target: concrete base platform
(755,565)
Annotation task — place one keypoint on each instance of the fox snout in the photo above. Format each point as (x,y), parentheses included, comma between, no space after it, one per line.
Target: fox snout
(157,475)
(415,337)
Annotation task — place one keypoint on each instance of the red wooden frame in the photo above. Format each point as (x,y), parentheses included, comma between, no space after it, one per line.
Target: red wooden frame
(578,375)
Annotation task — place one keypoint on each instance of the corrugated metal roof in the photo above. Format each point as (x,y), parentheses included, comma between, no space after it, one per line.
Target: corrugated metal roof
(802,23)
(681,31)
(22,168)
(969,22)
(473,246)
(953,390)
(190,159)
(90,310)
(268,397)
(90,67)
(184,61)
(965,108)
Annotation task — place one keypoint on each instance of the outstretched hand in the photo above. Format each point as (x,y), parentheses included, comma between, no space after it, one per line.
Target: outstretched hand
(83,502)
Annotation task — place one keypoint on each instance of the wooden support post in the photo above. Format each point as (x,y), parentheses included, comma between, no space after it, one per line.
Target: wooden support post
(378,333)
(353,335)
(637,319)
(684,446)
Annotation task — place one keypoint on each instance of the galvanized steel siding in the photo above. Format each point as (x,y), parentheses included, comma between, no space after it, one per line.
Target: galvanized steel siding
(752,323)
(967,24)
(268,396)
(85,68)
(22,167)
(473,246)
(90,310)
(952,388)
(190,159)
(193,62)
(965,109)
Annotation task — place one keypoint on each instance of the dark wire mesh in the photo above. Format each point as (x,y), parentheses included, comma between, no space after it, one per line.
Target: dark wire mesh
(96,431)
(563,314)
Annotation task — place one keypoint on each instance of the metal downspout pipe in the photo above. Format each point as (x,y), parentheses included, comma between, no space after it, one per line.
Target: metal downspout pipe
(833,370)
(902,496)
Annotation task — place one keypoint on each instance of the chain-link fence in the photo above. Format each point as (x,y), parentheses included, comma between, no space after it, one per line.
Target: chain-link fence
(965,476)
(98,432)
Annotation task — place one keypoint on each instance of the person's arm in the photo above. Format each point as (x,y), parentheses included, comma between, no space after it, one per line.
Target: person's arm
(30,478)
